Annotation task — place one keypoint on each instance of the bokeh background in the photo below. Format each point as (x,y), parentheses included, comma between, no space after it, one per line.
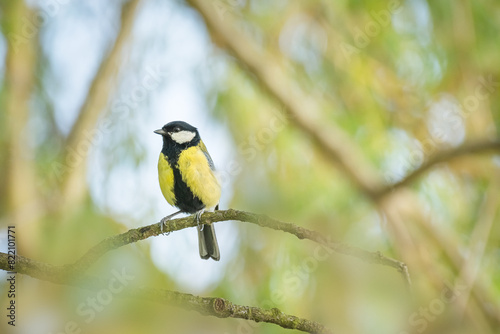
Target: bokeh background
(308,108)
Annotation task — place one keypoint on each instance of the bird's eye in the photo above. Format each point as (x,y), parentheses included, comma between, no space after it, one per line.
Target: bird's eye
(177,129)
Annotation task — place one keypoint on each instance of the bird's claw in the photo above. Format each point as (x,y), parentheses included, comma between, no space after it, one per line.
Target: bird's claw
(198,220)
(164,220)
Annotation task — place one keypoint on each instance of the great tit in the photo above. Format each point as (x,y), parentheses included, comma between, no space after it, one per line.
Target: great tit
(187,180)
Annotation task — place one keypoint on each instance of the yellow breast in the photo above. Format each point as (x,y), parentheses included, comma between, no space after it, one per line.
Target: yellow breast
(199,177)
(166,178)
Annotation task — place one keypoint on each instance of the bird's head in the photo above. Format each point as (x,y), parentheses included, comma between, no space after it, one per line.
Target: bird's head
(179,132)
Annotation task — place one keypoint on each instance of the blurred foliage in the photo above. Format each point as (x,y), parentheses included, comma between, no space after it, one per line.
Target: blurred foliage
(401,78)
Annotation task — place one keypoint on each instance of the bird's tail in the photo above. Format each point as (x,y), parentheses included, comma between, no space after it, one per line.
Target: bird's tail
(208,243)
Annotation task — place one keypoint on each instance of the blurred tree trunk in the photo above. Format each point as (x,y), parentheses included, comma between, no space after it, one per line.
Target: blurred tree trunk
(22,204)
(81,137)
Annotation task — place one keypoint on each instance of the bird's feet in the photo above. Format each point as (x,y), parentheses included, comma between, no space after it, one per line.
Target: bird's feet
(164,220)
(198,219)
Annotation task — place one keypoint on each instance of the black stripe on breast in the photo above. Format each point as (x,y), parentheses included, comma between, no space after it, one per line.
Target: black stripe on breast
(186,201)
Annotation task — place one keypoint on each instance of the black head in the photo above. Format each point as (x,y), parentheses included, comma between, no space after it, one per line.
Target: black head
(180,133)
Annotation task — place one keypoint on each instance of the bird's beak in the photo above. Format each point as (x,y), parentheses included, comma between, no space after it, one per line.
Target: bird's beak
(160,132)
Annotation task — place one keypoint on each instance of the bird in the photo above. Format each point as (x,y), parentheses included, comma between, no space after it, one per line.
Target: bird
(188,180)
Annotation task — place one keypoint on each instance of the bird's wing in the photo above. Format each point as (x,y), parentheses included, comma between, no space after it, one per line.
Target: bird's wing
(207,155)
(166,178)
(197,173)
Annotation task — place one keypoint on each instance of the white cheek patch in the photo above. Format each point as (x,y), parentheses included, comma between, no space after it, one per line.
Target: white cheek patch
(183,137)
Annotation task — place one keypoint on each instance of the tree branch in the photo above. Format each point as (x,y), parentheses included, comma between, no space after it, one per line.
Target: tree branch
(145,232)
(333,142)
(218,307)
(208,306)
(302,108)
(440,157)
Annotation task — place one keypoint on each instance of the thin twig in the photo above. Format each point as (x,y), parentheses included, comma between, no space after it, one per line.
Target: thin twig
(142,233)
(208,306)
